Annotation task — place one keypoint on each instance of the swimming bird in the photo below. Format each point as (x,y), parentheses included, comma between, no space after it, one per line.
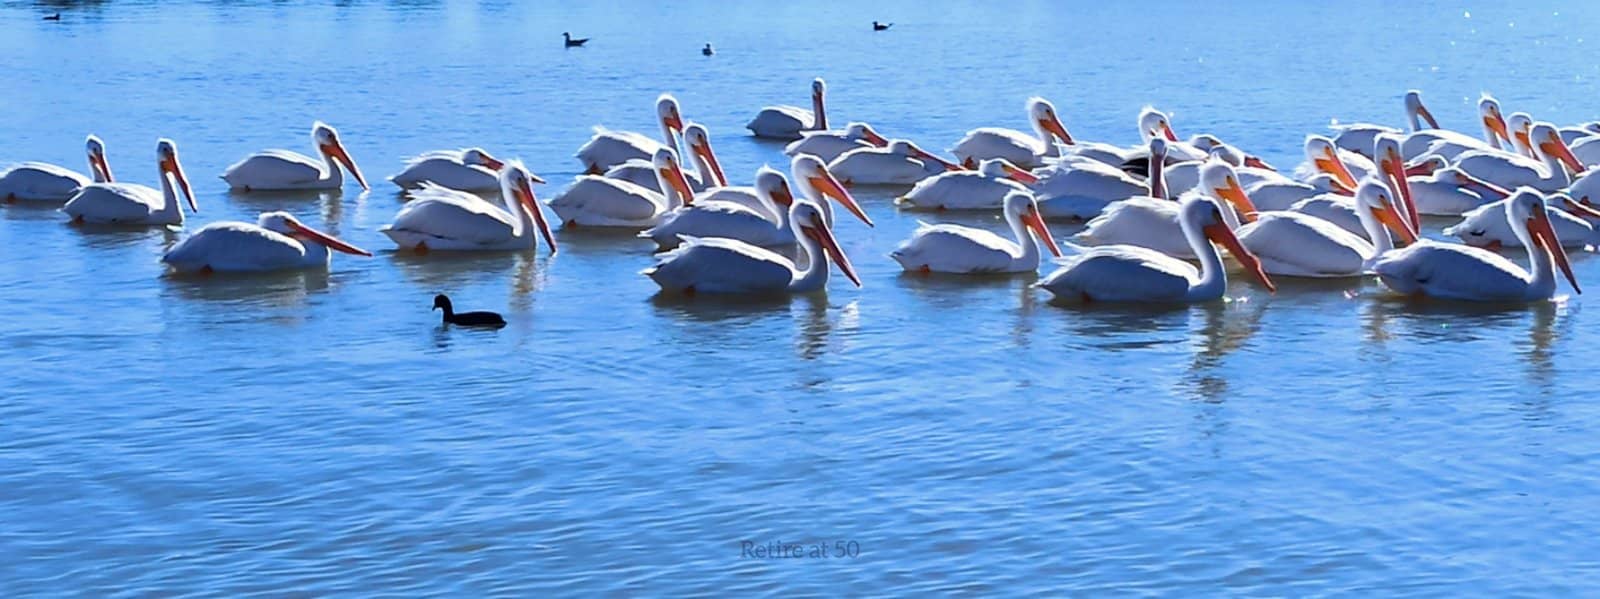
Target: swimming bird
(1547,173)
(609,148)
(1449,144)
(1487,226)
(876,26)
(707,51)
(900,163)
(1153,222)
(128,203)
(54,17)
(725,266)
(1125,273)
(438,218)
(1359,137)
(982,189)
(271,170)
(39,181)
(276,241)
(470,169)
(1085,189)
(707,173)
(601,202)
(829,144)
(1460,272)
(947,248)
(466,319)
(572,42)
(1021,149)
(791,122)
(1299,245)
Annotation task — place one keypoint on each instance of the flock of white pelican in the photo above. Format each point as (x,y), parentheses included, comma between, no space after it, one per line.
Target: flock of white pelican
(1151,212)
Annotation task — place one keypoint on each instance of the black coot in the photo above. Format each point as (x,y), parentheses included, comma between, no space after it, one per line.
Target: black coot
(876,26)
(466,319)
(574,42)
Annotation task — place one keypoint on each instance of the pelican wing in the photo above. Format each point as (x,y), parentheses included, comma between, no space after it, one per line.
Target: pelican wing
(1121,273)
(278,166)
(1451,272)
(235,246)
(1295,244)
(954,248)
(451,214)
(959,190)
(114,202)
(716,265)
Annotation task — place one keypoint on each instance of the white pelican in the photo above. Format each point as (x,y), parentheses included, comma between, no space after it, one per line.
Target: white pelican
(982,189)
(1572,134)
(43,182)
(1281,195)
(1460,272)
(789,122)
(1322,156)
(1587,150)
(726,266)
(610,148)
(1546,174)
(601,202)
(129,203)
(1125,273)
(1449,192)
(1021,149)
(767,226)
(1083,189)
(1450,144)
(707,173)
(1359,137)
(1487,226)
(1343,210)
(277,241)
(828,145)
(437,218)
(470,169)
(901,163)
(816,183)
(284,170)
(1520,124)
(1297,245)
(956,249)
(1183,176)
(1152,223)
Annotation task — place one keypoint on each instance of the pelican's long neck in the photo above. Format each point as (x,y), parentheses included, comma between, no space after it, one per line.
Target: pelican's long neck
(1050,149)
(1488,135)
(702,167)
(521,222)
(1381,242)
(815,275)
(668,138)
(335,175)
(1158,178)
(819,113)
(1558,172)
(1542,283)
(1416,120)
(169,194)
(1213,279)
(1029,250)
(811,193)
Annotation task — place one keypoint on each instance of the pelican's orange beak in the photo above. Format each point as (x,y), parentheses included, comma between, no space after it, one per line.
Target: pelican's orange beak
(1167,131)
(1391,219)
(782,196)
(1554,147)
(525,196)
(1422,111)
(170,165)
(97,160)
(1054,126)
(873,138)
(1219,233)
(818,230)
(493,163)
(829,187)
(333,243)
(1235,195)
(1330,163)
(1035,222)
(1525,141)
(1257,162)
(1578,208)
(679,183)
(336,150)
(1422,169)
(1545,236)
(703,150)
(949,166)
(1021,176)
(1497,125)
(1393,166)
(674,122)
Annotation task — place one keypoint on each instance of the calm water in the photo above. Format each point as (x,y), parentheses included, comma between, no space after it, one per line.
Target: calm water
(320,432)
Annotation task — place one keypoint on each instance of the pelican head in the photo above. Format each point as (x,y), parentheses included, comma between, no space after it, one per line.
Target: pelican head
(516,182)
(670,174)
(1530,221)
(819,87)
(819,185)
(772,185)
(1043,115)
(1000,168)
(97,158)
(810,222)
(1154,123)
(907,148)
(859,130)
(1392,171)
(1206,142)
(291,227)
(1020,207)
(1548,141)
(667,111)
(1493,121)
(167,158)
(1415,110)
(327,140)
(1520,125)
(1324,156)
(698,142)
(1222,183)
(480,157)
(1376,198)
(1226,153)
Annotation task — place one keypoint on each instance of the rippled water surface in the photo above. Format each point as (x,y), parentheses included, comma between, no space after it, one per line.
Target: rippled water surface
(321,432)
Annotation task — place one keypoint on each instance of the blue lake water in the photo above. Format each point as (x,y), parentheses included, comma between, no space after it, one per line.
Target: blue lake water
(321,432)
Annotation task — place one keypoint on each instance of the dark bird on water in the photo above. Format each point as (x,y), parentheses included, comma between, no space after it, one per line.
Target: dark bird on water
(876,26)
(466,319)
(707,50)
(54,17)
(573,43)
